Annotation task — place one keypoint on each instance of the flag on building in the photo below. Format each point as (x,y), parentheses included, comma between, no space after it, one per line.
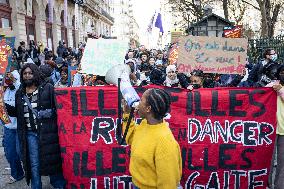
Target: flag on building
(158,23)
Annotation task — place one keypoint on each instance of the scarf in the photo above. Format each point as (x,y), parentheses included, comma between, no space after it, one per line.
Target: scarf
(170,82)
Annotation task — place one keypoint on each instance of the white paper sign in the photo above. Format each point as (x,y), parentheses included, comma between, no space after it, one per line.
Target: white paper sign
(102,54)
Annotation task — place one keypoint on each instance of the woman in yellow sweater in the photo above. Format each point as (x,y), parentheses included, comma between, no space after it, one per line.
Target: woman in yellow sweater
(155,160)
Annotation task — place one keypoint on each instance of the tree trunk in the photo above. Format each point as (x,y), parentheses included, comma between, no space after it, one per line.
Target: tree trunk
(264,21)
(225,8)
(271,29)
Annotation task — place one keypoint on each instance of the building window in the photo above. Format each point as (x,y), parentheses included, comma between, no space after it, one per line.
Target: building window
(4,2)
(5,23)
(5,14)
(63,29)
(30,22)
(73,31)
(48,25)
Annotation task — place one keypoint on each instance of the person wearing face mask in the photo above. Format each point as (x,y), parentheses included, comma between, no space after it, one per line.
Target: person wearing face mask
(269,57)
(37,129)
(196,79)
(278,86)
(158,74)
(10,139)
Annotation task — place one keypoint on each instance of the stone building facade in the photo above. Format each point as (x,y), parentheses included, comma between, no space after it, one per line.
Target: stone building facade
(33,20)
(125,26)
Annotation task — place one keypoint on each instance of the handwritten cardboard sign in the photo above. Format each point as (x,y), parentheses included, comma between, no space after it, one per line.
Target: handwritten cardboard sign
(102,54)
(212,54)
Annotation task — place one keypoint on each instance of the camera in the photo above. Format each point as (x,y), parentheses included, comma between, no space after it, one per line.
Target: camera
(264,80)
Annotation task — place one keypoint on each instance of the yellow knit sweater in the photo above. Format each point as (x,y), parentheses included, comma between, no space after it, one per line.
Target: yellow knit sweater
(155,160)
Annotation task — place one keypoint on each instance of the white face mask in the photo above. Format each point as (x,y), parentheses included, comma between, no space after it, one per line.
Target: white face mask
(274,57)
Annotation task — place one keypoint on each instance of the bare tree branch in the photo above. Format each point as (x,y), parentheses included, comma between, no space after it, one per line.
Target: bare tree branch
(257,8)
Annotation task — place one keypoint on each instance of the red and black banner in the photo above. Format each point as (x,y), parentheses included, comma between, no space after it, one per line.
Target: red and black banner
(226,136)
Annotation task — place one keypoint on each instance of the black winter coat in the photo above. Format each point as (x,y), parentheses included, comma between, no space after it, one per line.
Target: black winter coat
(49,149)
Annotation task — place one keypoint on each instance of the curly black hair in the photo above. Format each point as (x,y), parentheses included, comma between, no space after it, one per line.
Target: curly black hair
(160,102)
(36,73)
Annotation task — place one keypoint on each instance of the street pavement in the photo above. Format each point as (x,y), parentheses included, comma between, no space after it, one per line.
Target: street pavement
(5,173)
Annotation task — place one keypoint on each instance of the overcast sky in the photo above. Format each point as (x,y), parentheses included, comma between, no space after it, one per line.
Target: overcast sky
(143,11)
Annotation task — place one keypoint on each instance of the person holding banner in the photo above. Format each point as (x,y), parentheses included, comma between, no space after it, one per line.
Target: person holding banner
(257,77)
(155,160)
(196,79)
(37,129)
(278,86)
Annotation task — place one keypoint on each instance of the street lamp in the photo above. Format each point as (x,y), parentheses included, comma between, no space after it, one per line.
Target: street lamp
(169,37)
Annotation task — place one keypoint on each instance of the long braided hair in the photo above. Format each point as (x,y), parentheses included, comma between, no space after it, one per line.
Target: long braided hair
(160,102)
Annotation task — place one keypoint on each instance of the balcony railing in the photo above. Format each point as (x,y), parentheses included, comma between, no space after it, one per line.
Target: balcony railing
(104,13)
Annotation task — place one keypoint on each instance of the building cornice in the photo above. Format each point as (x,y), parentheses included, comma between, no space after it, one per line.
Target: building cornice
(97,12)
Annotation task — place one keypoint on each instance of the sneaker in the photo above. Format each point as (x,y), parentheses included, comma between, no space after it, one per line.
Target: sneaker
(11,180)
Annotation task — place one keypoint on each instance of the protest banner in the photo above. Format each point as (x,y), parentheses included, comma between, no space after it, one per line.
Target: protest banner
(226,136)
(6,45)
(102,54)
(173,55)
(4,118)
(212,54)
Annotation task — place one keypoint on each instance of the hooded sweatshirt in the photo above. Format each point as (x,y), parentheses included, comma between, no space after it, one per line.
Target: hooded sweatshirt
(9,99)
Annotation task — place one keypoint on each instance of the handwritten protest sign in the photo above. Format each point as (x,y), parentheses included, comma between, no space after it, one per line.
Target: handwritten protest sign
(102,54)
(212,54)
(226,136)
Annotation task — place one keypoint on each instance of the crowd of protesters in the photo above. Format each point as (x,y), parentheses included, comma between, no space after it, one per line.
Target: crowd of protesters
(50,69)
(147,67)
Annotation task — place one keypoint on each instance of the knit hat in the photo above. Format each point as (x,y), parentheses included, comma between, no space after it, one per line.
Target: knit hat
(171,68)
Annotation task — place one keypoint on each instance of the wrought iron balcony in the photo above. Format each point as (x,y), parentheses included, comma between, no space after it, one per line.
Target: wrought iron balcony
(104,13)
